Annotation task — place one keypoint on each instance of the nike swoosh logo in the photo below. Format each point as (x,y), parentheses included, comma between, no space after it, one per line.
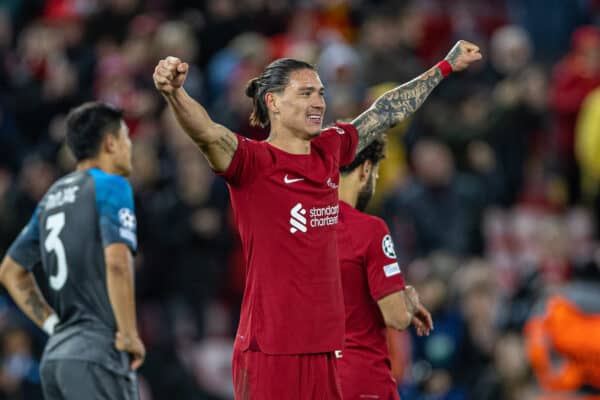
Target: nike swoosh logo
(288,180)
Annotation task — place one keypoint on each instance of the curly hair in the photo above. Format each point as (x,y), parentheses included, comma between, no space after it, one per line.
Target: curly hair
(374,152)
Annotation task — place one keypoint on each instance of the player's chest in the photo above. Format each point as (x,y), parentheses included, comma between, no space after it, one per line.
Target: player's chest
(315,177)
(299,200)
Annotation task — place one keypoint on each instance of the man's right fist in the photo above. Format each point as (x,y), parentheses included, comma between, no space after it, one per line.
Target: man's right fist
(170,74)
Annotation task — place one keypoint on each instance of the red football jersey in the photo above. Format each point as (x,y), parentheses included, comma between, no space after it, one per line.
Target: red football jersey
(286,210)
(369,273)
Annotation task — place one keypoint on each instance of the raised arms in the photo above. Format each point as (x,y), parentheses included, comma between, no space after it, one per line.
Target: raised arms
(217,143)
(395,105)
(24,290)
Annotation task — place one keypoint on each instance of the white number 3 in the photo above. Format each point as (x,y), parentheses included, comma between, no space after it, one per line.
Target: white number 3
(55,223)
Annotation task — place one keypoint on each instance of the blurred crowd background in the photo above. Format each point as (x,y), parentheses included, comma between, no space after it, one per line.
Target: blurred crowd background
(492,190)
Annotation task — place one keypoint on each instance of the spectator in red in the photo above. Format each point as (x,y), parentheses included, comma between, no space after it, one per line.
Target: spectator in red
(574,77)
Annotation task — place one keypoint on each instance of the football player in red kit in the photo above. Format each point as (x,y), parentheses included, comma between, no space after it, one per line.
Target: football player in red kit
(284,198)
(375,294)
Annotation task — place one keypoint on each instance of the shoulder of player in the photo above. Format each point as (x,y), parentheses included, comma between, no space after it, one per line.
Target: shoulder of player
(110,187)
(109,180)
(366,221)
(258,147)
(336,129)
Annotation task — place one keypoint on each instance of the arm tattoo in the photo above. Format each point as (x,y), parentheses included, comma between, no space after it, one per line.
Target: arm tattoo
(393,106)
(455,52)
(228,144)
(33,299)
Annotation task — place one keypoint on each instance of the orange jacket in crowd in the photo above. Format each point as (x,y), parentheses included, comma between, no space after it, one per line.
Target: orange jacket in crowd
(567,331)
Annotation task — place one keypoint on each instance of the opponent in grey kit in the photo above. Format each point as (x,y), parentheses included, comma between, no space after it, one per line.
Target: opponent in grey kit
(83,231)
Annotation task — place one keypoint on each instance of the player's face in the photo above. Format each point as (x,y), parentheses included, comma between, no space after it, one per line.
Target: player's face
(301,106)
(368,190)
(123,153)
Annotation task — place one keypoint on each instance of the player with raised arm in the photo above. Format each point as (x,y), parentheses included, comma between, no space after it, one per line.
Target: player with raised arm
(284,196)
(375,296)
(83,231)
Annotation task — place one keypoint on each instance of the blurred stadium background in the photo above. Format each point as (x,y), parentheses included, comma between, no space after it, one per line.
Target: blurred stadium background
(492,190)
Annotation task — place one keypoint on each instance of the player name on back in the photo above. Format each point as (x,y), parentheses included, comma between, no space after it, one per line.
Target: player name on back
(61,197)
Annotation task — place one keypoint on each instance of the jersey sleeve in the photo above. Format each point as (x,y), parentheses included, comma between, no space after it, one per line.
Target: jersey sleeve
(245,164)
(114,203)
(349,141)
(383,272)
(25,250)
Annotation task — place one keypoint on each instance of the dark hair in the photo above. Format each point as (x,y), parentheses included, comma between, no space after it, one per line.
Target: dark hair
(88,124)
(374,152)
(273,79)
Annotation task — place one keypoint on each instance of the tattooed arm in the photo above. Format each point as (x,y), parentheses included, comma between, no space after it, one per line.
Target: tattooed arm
(217,143)
(24,290)
(397,104)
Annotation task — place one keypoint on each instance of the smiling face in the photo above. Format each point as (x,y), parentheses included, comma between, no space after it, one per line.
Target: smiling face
(300,108)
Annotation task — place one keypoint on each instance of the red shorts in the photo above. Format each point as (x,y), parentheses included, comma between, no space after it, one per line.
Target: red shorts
(260,376)
(362,380)
(364,391)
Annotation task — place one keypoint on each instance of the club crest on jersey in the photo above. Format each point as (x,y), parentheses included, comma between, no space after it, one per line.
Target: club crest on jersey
(388,247)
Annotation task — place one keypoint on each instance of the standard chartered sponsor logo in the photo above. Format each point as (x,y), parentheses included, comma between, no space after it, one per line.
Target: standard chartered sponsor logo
(317,217)
(298,219)
(323,216)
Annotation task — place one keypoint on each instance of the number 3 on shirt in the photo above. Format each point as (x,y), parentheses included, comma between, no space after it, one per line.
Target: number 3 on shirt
(54,224)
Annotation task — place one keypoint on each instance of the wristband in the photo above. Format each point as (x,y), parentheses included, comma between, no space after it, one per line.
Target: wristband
(445,68)
(50,323)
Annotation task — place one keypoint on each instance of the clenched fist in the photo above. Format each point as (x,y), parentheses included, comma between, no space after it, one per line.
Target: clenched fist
(462,55)
(170,74)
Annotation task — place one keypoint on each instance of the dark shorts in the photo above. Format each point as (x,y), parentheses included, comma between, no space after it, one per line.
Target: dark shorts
(77,380)
(260,376)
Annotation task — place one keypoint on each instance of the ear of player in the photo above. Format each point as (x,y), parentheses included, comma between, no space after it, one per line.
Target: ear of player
(169,74)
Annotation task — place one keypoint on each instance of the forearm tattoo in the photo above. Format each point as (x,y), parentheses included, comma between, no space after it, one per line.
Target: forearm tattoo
(33,299)
(455,52)
(395,105)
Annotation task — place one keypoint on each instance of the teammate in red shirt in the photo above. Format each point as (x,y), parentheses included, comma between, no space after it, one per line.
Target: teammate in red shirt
(284,197)
(375,295)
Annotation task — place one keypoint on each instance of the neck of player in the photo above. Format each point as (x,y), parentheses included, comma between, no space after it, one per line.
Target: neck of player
(293,142)
(99,162)
(349,188)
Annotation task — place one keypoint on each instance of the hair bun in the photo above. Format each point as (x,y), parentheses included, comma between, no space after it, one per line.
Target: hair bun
(252,87)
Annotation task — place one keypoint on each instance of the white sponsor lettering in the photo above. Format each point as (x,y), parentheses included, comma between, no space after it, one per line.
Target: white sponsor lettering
(338,354)
(317,217)
(391,269)
(61,197)
(323,216)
